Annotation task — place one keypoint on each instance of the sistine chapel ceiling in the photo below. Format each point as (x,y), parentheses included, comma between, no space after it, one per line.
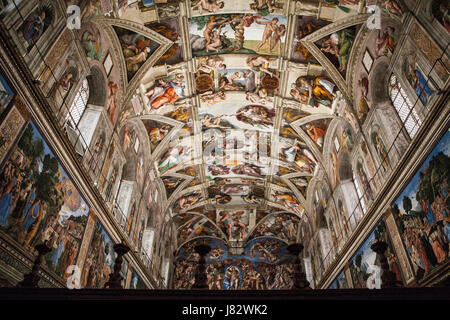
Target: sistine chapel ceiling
(229,107)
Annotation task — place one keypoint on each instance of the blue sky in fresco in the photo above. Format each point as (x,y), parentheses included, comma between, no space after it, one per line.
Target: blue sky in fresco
(410,190)
(84,208)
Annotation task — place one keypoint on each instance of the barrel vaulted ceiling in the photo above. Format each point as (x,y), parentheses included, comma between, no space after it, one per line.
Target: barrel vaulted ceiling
(229,108)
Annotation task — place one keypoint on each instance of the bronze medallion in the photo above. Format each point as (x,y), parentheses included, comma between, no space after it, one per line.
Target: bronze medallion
(204,82)
(269,83)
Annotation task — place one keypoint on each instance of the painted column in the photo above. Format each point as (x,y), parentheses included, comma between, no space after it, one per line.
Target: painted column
(400,252)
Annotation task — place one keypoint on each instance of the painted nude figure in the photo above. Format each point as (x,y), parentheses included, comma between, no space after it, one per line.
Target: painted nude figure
(209,5)
(209,63)
(277,34)
(237,24)
(271,26)
(215,41)
(212,23)
(259,96)
(212,122)
(259,63)
(261,4)
(212,98)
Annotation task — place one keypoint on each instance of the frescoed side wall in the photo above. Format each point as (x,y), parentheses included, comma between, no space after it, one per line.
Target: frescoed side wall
(100,259)
(39,203)
(341,281)
(421,212)
(136,281)
(7,94)
(365,266)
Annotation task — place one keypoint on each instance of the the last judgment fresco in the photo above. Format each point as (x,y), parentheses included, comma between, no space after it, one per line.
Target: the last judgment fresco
(264,265)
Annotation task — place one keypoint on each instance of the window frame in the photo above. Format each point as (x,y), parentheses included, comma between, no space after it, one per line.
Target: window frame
(403,106)
(362,201)
(78,105)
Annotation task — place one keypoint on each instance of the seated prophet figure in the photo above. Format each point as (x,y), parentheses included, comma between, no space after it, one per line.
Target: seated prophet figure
(346,39)
(187,201)
(312,92)
(166,92)
(173,157)
(136,53)
(92,46)
(288,201)
(385,42)
(317,132)
(339,44)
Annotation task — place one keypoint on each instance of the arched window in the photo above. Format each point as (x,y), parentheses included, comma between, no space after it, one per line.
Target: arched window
(78,105)
(360,194)
(165,271)
(147,243)
(405,109)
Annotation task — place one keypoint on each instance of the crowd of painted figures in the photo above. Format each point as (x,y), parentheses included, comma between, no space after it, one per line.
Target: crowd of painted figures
(237,274)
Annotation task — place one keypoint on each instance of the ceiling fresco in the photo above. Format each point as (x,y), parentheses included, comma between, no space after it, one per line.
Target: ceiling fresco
(236,98)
